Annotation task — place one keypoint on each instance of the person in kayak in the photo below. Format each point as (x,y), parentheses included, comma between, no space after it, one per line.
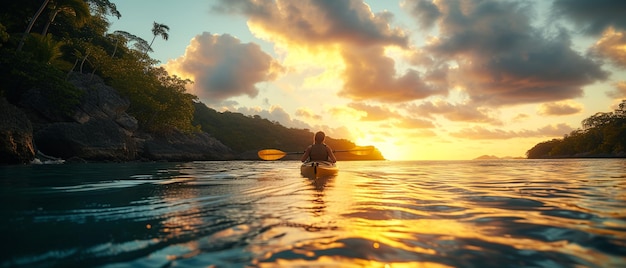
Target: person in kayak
(319,151)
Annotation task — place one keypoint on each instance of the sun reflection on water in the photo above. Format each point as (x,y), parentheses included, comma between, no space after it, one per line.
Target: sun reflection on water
(372,214)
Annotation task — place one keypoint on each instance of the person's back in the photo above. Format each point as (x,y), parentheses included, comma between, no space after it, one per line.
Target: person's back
(318,152)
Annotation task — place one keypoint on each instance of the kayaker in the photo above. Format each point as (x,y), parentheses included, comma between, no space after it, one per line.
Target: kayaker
(319,151)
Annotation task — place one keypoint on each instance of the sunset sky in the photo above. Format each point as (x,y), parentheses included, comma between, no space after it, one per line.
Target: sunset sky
(419,79)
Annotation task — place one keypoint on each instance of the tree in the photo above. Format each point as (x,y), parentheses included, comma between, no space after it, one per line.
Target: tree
(597,120)
(123,36)
(77,8)
(43,48)
(603,134)
(104,7)
(542,149)
(31,23)
(139,43)
(158,29)
(4,36)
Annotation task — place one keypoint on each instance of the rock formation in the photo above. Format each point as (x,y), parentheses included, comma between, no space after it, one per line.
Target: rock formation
(16,135)
(98,130)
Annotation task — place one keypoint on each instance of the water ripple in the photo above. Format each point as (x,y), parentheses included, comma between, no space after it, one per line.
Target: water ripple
(522,213)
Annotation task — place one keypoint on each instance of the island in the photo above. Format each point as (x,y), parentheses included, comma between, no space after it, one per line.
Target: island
(602,135)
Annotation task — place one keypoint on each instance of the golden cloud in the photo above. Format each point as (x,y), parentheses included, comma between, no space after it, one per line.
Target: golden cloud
(560,108)
(343,37)
(481,133)
(612,45)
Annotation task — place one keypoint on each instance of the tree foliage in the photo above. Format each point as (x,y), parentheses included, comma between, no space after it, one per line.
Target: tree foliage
(242,133)
(252,133)
(43,48)
(75,39)
(20,72)
(78,10)
(158,29)
(602,134)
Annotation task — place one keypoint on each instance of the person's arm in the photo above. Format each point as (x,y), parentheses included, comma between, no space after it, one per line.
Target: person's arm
(331,155)
(305,156)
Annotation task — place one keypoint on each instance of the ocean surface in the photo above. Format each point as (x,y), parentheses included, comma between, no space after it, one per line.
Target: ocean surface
(481,213)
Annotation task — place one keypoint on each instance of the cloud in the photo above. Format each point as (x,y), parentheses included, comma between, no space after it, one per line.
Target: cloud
(374,113)
(307,114)
(422,133)
(379,113)
(425,11)
(223,67)
(351,29)
(370,75)
(619,92)
(275,114)
(559,108)
(550,131)
(481,133)
(412,123)
(456,112)
(318,22)
(337,133)
(346,113)
(612,46)
(502,59)
(592,16)
(520,117)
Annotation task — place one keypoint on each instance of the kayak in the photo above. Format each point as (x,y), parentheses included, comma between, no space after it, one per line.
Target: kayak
(318,169)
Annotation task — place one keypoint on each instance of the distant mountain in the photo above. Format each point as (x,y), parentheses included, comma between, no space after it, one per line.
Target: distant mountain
(486,157)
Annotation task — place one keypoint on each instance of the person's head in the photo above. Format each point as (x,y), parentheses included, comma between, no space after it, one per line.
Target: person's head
(319,137)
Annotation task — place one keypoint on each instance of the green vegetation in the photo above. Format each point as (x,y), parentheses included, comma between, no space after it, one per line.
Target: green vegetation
(18,75)
(252,133)
(602,135)
(74,39)
(43,42)
(242,133)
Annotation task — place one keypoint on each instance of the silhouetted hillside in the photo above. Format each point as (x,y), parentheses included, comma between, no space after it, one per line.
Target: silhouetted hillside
(248,134)
(602,135)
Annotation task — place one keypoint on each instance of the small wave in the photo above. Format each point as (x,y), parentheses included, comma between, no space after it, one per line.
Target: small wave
(256,214)
(38,161)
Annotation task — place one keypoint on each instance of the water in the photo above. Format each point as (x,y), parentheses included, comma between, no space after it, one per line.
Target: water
(505,213)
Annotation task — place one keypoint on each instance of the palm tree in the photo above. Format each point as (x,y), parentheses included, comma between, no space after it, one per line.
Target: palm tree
(31,23)
(78,8)
(158,29)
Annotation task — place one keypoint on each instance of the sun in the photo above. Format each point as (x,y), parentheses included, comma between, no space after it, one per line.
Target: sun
(389,149)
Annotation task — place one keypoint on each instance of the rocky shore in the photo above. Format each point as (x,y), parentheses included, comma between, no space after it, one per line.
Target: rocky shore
(99,129)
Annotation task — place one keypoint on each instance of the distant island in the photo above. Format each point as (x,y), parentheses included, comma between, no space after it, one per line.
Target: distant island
(603,135)
(493,157)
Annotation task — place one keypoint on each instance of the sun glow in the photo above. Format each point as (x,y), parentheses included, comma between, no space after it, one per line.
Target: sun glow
(389,149)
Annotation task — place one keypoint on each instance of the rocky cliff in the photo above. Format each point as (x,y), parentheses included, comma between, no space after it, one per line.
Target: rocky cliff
(99,129)
(16,135)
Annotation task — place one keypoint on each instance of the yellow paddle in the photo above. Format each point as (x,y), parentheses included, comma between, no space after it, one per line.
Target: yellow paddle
(275,154)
